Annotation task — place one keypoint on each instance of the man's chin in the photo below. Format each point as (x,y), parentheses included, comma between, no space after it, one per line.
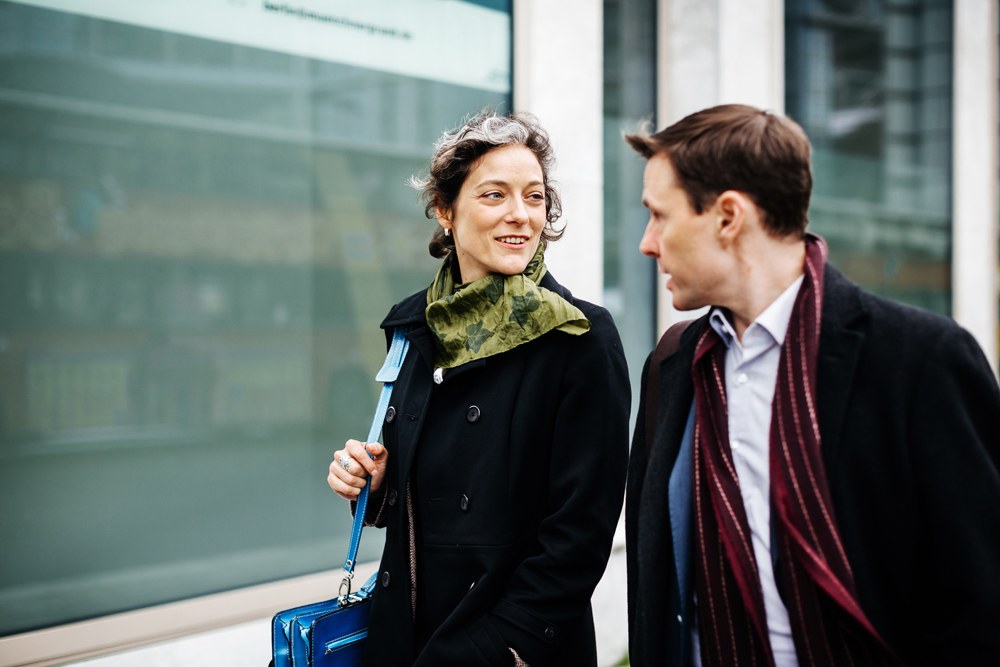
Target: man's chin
(683,305)
(677,300)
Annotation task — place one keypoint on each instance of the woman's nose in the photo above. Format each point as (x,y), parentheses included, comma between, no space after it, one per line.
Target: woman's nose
(519,211)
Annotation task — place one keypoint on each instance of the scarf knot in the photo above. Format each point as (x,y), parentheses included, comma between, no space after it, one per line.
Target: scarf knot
(496,313)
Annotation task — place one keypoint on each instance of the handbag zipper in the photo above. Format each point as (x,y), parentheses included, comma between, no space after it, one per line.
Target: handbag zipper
(346,640)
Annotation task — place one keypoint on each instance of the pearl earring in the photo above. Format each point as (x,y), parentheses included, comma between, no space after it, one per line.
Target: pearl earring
(447,231)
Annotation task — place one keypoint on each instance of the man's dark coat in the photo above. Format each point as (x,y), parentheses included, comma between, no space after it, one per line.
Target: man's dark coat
(909,415)
(522,457)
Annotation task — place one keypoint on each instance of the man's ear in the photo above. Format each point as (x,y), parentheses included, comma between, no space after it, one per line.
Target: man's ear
(732,209)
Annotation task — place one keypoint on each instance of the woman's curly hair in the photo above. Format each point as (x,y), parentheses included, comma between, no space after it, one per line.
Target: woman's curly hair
(458,152)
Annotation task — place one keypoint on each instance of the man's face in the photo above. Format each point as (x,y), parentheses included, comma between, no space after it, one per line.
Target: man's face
(682,242)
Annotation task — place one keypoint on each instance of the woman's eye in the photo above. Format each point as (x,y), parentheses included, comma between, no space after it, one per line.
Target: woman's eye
(536,197)
(493,195)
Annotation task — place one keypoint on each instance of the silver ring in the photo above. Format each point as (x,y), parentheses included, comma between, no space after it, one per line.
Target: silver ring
(345,462)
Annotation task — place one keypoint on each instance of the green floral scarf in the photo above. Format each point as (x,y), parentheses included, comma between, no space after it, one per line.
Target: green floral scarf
(495,313)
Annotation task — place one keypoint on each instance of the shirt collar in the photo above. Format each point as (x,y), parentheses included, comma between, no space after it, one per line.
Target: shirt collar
(774,319)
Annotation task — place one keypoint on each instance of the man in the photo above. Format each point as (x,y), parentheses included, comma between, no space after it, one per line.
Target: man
(819,483)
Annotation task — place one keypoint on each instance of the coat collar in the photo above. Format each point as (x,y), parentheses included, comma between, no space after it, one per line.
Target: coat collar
(407,313)
(842,336)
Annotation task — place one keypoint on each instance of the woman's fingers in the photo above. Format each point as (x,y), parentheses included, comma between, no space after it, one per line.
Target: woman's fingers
(363,464)
(379,457)
(363,453)
(342,488)
(352,465)
(346,477)
(341,468)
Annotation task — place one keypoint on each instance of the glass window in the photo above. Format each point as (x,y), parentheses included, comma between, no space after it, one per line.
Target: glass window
(202,224)
(629,98)
(870,82)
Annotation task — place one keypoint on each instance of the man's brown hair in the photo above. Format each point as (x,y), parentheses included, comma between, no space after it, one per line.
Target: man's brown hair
(742,148)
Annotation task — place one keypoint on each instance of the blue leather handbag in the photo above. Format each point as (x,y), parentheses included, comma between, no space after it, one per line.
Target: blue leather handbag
(332,633)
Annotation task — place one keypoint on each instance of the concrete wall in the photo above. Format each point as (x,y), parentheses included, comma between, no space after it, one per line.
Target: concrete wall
(717,52)
(558,77)
(975,283)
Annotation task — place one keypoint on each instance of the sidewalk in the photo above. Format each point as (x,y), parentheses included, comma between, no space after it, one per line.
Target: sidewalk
(610,604)
(249,644)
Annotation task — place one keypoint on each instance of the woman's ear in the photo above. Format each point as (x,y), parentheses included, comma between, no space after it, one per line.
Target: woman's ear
(443,216)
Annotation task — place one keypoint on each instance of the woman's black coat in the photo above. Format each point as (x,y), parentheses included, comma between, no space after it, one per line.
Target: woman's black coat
(514,470)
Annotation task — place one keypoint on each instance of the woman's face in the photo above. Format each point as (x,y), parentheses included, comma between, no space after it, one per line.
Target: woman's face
(498,216)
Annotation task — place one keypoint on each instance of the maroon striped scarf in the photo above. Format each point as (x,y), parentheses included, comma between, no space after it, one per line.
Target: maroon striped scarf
(829,627)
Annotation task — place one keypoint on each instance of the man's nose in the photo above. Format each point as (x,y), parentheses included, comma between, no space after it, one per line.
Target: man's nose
(648,246)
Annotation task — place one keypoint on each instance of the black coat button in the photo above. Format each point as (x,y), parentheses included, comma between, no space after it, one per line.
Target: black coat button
(550,633)
(390,415)
(473,414)
(392,497)
(386,579)
(463,503)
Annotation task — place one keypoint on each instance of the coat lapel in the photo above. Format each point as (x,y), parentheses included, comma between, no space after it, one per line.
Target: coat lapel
(680,509)
(842,337)
(661,488)
(415,376)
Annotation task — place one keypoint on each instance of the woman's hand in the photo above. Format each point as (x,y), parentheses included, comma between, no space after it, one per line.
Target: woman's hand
(352,464)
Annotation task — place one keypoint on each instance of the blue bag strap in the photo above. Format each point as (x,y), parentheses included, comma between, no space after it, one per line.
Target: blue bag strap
(386,375)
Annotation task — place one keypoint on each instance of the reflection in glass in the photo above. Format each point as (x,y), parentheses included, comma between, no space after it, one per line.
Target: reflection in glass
(198,241)
(870,81)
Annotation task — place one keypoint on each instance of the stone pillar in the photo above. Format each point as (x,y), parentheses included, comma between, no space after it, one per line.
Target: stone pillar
(975,179)
(717,52)
(558,77)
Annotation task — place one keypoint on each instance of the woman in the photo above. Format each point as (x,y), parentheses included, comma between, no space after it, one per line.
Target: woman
(502,473)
